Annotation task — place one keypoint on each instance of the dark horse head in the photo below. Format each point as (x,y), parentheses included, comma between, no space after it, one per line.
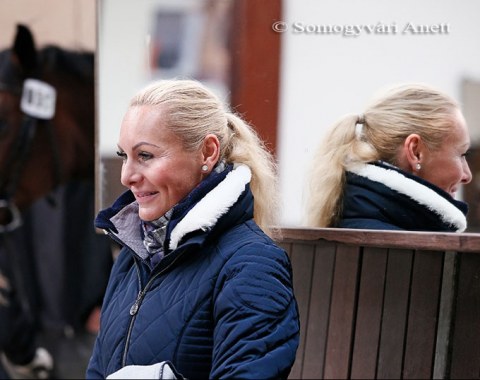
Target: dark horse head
(40,151)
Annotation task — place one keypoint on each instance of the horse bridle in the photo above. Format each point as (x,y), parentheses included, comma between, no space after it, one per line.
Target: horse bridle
(38,107)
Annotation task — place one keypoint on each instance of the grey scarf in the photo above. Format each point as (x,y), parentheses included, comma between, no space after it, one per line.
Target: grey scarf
(154,237)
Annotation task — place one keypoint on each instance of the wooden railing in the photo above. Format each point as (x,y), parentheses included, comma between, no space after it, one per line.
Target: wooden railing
(383,304)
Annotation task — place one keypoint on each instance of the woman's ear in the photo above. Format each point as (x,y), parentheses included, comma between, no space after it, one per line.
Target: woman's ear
(210,151)
(413,150)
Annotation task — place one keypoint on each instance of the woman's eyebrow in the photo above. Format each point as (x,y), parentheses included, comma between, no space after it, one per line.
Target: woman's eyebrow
(144,143)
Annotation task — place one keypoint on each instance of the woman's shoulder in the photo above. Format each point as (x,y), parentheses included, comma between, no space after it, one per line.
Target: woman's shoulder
(249,248)
(248,234)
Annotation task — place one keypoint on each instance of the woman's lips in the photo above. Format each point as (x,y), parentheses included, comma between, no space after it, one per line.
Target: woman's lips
(145,196)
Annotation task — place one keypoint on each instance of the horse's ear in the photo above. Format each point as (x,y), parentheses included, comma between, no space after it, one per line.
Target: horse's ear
(24,48)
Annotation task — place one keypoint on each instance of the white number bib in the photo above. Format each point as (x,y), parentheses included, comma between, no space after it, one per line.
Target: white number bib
(38,99)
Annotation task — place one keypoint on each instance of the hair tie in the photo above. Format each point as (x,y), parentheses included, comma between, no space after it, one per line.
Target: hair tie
(361,119)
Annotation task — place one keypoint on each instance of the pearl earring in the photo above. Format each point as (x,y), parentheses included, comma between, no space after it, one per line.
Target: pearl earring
(204,168)
(418,166)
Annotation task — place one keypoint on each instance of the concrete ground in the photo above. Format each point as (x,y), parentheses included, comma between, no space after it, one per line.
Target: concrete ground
(71,352)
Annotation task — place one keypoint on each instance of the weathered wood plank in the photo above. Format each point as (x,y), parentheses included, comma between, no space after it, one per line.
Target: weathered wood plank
(369,313)
(395,309)
(342,312)
(434,241)
(318,314)
(423,315)
(465,362)
(445,316)
(302,256)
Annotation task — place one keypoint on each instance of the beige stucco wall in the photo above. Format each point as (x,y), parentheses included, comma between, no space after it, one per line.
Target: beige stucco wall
(68,23)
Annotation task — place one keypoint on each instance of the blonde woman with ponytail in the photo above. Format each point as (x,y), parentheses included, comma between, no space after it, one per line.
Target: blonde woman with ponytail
(199,289)
(397,166)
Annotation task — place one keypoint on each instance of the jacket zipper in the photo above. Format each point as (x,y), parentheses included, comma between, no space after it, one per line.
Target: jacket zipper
(136,305)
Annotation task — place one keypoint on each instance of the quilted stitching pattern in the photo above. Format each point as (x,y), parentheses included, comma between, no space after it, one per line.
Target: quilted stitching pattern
(245,287)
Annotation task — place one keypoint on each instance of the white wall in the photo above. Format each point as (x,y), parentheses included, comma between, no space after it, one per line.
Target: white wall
(124,30)
(326,76)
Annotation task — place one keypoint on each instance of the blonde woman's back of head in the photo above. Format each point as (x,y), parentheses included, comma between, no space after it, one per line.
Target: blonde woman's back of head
(377,134)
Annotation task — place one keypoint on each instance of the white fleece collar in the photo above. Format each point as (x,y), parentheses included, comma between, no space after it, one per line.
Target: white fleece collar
(416,191)
(216,203)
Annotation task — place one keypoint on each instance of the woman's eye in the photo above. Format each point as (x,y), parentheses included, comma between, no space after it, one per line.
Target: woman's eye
(144,156)
(467,153)
(122,155)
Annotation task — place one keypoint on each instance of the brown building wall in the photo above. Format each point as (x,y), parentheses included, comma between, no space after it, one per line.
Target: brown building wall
(68,23)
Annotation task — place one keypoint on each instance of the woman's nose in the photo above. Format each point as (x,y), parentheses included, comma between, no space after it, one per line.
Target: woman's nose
(129,174)
(467,174)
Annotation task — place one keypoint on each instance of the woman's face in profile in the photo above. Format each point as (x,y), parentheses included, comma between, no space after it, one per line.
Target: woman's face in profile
(156,167)
(447,166)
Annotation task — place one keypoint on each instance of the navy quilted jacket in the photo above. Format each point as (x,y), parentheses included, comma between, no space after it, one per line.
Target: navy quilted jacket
(381,196)
(219,305)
